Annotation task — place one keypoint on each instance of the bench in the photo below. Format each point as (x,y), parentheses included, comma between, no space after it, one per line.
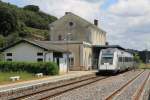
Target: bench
(39,75)
(15,78)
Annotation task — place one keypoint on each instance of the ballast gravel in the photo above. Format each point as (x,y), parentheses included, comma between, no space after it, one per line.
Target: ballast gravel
(98,90)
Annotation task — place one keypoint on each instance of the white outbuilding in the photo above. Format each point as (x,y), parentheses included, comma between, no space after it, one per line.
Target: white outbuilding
(36,51)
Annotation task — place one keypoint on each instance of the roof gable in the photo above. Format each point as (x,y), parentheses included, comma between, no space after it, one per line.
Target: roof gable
(78,19)
(41,44)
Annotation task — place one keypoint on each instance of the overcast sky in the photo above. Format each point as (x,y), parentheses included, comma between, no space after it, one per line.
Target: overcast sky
(127,22)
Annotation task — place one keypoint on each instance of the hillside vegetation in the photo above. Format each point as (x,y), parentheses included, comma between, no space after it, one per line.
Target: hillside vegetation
(16,23)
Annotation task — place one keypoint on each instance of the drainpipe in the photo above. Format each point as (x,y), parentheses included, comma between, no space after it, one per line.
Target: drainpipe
(45,57)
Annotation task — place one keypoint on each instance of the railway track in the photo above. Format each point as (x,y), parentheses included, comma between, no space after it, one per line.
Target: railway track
(137,94)
(56,91)
(49,93)
(140,90)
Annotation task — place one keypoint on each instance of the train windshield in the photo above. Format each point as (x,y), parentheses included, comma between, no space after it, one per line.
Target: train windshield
(107,58)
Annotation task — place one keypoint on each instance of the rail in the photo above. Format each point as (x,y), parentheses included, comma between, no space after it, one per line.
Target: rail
(112,95)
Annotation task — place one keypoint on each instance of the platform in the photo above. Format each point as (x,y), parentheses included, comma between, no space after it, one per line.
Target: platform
(51,79)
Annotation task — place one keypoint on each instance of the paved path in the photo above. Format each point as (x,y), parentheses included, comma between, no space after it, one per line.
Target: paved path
(71,74)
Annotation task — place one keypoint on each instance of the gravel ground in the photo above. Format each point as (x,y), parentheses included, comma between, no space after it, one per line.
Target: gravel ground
(129,91)
(146,93)
(98,90)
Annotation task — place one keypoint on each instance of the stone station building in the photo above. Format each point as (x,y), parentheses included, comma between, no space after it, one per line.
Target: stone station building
(78,36)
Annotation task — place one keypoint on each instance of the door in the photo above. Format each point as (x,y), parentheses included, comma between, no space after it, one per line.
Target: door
(57,61)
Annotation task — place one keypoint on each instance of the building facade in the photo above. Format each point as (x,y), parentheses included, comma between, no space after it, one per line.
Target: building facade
(36,51)
(76,35)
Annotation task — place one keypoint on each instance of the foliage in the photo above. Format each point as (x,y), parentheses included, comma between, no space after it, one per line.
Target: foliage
(2,41)
(32,8)
(38,32)
(21,22)
(137,58)
(8,21)
(144,66)
(48,68)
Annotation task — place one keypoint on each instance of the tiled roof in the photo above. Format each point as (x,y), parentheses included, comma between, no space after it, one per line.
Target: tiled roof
(42,44)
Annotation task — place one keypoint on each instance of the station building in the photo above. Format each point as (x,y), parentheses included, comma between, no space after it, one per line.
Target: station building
(36,51)
(78,36)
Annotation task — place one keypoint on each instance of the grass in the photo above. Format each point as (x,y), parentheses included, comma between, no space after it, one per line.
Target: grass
(38,31)
(144,66)
(24,76)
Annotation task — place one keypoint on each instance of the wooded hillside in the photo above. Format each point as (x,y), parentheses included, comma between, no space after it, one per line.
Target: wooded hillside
(16,23)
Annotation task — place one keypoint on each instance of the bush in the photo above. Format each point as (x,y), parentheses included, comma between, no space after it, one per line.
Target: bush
(47,68)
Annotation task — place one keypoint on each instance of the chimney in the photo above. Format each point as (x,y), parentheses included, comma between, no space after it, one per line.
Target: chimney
(66,13)
(96,22)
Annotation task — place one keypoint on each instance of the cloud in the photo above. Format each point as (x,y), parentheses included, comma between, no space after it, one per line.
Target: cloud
(129,8)
(126,22)
(83,8)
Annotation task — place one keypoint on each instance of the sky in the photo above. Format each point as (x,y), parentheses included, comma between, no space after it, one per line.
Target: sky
(127,22)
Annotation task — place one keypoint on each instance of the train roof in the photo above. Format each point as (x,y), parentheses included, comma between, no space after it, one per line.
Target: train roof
(109,46)
(116,49)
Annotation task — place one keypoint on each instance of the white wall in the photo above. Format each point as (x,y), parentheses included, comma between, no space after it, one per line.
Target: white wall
(24,52)
(49,57)
(87,57)
(63,64)
(97,37)
(27,52)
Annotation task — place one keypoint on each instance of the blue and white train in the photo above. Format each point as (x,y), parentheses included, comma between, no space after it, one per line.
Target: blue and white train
(115,60)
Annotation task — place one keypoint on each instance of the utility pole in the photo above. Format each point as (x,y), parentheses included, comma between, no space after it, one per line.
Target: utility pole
(67,39)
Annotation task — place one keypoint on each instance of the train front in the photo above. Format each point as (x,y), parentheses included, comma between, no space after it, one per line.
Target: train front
(107,60)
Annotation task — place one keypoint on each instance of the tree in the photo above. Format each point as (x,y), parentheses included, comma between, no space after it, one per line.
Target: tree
(8,21)
(32,8)
(137,58)
(2,41)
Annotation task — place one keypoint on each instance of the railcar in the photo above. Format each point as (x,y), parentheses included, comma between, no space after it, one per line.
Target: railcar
(115,60)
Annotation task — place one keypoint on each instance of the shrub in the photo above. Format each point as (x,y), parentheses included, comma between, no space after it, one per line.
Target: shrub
(47,68)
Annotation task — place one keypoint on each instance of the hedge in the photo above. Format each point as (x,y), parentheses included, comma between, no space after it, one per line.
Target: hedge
(47,68)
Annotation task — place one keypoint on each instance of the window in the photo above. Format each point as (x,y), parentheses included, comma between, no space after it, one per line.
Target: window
(120,59)
(9,54)
(107,58)
(39,54)
(70,37)
(49,37)
(71,61)
(40,59)
(126,59)
(71,24)
(59,37)
(9,59)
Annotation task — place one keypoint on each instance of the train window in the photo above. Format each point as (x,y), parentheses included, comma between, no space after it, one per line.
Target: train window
(129,59)
(126,59)
(107,60)
(107,57)
(120,59)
